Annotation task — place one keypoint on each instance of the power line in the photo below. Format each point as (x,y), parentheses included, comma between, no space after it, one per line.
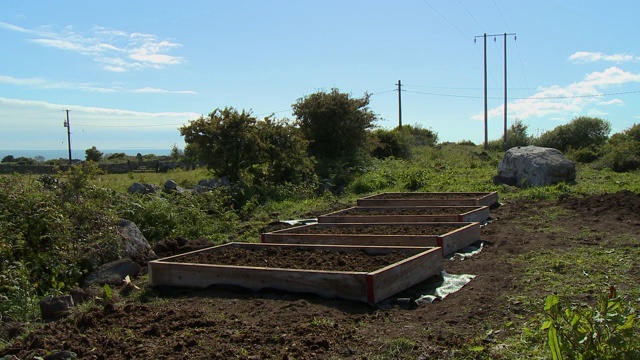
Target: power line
(447,20)
(470,14)
(500,12)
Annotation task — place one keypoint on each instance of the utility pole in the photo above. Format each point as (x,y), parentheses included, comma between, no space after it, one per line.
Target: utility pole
(486,138)
(399,105)
(68,126)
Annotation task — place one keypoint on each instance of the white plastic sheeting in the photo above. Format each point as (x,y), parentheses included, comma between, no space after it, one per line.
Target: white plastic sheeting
(450,284)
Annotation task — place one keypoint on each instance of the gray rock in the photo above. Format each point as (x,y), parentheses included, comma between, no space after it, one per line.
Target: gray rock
(133,243)
(138,188)
(171,186)
(214,183)
(112,273)
(533,166)
(56,307)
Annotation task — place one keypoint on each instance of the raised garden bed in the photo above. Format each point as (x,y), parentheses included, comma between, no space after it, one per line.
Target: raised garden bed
(413,214)
(450,236)
(430,199)
(362,273)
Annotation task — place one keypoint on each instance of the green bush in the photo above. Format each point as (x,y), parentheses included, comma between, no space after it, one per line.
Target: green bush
(389,143)
(621,153)
(581,132)
(608,330)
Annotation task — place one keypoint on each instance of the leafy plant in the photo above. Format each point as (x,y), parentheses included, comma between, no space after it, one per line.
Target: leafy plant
(609,330)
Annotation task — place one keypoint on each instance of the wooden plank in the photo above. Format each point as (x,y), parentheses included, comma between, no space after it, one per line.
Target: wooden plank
(359,214)
(430,199)
(346,285)
(456,240)
(450,241)
(392,279)
(359,286)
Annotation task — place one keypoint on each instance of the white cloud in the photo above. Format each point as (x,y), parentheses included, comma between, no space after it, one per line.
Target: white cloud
(107,46)
(163,91)
(576,98)
(611,102)
(38,124)
(588,57)
(40,83)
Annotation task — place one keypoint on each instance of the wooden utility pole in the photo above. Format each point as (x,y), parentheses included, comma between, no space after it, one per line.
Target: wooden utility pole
(399,105)
(486,115)
(68,126)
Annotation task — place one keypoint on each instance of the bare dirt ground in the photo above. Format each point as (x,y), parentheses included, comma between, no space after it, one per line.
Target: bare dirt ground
(222,322)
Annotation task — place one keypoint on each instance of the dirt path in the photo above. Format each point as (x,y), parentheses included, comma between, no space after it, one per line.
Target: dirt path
(222,323)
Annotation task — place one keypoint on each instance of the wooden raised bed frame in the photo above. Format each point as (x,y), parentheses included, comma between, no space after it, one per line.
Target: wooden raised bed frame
(358,215)
(371,287)
(430,199)
(450,241)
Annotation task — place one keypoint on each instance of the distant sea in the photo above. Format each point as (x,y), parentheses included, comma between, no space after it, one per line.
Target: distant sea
(78,154)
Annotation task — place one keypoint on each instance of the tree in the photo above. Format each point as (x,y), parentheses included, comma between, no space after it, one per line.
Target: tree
(176,153)
(335,124)
(93,154)
(8,159)
(285,151)
(226,140)
(581,132)
(242,148)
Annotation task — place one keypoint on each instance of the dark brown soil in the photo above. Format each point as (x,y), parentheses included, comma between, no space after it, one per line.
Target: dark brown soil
(290,258)
(433,210)
(395,229)
(224,323)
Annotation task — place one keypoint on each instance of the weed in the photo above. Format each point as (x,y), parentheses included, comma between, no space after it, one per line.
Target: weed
(400,348)
(321,322)
(608,330)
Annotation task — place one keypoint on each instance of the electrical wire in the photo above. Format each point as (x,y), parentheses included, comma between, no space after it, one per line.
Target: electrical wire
(473,17)
(447,20)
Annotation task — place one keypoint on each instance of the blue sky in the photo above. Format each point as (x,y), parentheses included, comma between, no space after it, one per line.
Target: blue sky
(132,72)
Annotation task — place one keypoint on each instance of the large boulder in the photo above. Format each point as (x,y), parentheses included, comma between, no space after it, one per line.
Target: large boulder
(534,166)
(133,244)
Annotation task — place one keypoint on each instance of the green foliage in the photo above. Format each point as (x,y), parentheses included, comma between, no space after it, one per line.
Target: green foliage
(622,152)
(337,127)
(8,159)
(609,330)
(516,136)
(93,154)
(389,143)
(226,140)
(237,145)
(165,216)
(581,132)
(176,153)
(399,143)
(584,155)
(50,232)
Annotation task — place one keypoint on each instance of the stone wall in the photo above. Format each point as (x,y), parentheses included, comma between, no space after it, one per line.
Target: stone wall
(119,168)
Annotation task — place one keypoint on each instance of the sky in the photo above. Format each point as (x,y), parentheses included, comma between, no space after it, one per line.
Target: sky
(132,72)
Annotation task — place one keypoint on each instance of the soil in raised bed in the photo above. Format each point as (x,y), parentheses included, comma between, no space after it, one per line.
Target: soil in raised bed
(294,258)
(372,229)
(405,211)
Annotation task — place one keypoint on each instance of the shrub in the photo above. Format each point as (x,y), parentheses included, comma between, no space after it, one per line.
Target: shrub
(389,143)
(621,153)
(581,132)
